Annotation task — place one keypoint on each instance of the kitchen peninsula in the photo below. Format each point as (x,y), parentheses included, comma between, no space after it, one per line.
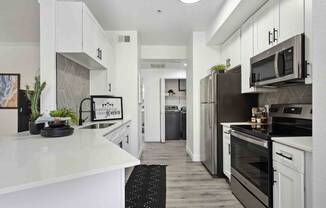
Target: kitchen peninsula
(86,169)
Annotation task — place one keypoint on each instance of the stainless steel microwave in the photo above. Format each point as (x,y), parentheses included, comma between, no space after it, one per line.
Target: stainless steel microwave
(280,65)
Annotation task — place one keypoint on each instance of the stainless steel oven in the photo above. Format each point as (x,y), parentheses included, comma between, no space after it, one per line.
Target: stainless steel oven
(280,65)
(251,169)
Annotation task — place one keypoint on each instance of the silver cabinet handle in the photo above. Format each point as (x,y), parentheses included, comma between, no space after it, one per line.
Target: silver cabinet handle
(274,35)
(270,34)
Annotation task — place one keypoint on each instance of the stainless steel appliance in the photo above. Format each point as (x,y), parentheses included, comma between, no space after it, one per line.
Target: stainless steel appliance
(172,122)
(282,64)
(251,152)
(221,101)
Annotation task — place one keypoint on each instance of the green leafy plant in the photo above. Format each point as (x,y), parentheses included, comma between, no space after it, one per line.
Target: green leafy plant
(220,67)
(64,112)
(34,97)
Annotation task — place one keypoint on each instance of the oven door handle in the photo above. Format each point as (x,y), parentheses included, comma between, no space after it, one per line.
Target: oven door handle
(250,139)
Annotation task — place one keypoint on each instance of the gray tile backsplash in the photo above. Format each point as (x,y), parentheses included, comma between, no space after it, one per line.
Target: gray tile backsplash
(285,95)
(72,84)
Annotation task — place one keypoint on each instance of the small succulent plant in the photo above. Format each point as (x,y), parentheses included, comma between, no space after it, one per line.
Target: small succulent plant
(34,97)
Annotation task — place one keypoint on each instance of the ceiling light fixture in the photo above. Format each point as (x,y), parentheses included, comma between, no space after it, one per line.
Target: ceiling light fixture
(189,1)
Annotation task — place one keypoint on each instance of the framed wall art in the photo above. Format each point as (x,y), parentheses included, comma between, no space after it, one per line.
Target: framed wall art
(9,87)
(105,108)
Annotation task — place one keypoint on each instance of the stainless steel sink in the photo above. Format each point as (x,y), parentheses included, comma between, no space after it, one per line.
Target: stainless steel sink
(98,126)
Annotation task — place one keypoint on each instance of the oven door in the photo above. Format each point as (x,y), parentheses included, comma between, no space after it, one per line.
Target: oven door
(251,160)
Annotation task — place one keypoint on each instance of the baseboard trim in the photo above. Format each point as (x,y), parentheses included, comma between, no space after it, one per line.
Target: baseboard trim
(194,157)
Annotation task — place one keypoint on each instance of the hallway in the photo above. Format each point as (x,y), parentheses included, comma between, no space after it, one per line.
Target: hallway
(188,183)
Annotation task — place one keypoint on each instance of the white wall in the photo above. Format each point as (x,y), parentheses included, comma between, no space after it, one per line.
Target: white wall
(152,79)
(200,59)
(163,52)
(126,80)
(319,103)
(22,58)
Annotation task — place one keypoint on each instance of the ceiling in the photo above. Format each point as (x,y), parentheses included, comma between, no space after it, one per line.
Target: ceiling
(172,26)
(19,20)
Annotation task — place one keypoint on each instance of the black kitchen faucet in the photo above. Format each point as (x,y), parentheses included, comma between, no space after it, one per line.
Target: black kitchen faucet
(81,120)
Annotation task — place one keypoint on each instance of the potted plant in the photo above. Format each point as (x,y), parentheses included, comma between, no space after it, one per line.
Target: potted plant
(34,98)
(218,68)
(62,113)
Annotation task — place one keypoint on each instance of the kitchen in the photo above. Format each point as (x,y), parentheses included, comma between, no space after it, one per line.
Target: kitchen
(92,48)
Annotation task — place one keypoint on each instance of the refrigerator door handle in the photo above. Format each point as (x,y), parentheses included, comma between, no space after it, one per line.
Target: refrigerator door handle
(209,119)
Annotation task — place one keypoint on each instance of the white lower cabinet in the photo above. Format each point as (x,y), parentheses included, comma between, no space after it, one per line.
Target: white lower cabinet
(289,180)
(227,152)
(121,137)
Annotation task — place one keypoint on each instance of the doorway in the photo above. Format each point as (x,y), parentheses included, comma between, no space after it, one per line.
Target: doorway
(173,109)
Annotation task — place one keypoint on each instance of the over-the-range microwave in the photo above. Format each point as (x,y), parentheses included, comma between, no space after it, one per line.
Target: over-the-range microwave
(280,65)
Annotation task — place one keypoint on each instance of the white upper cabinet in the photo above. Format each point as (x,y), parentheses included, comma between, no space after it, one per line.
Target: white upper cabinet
(277,21)
(247,51)
(230,51)
(263,28)
(289,19)
(79,36)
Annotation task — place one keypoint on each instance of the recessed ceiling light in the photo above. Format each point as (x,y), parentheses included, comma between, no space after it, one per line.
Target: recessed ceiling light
(189,1)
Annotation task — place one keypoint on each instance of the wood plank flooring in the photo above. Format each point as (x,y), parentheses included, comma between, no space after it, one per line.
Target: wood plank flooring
(189,185)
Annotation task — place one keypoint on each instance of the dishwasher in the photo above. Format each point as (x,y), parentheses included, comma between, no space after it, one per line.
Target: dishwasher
(172,122)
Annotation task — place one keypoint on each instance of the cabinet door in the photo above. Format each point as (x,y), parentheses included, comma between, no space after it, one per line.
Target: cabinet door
(263,28)
(247,51)
(289,19)
(110,68)
(90,34)
(225,55)
(288,190)
(231,51)
(226,152)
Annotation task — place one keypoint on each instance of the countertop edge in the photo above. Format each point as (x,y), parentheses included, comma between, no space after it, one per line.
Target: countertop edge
(295,144)
(101,133)
(65,178)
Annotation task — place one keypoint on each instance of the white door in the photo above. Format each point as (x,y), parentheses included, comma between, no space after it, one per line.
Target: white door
(288,189)
(263,27)
(162,107)
(289,18)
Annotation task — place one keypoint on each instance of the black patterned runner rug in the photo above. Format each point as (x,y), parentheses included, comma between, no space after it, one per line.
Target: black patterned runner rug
(146,187)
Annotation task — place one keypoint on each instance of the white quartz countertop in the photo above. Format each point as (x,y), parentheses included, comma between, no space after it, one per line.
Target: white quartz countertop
(229,124)
(301,143)
(28,161)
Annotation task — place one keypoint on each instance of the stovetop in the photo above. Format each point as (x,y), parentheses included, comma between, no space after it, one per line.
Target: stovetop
(267,131)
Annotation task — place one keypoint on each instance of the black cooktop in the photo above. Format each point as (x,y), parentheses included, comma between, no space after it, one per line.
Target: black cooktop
(275,130)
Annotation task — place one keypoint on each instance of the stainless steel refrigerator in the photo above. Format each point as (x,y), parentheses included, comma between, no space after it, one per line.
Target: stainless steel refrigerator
(220,101)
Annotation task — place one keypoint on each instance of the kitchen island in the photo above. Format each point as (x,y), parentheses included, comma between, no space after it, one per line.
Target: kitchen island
(82,170)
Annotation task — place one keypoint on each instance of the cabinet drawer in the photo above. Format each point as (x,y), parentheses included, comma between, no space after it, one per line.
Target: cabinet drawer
(288,156)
